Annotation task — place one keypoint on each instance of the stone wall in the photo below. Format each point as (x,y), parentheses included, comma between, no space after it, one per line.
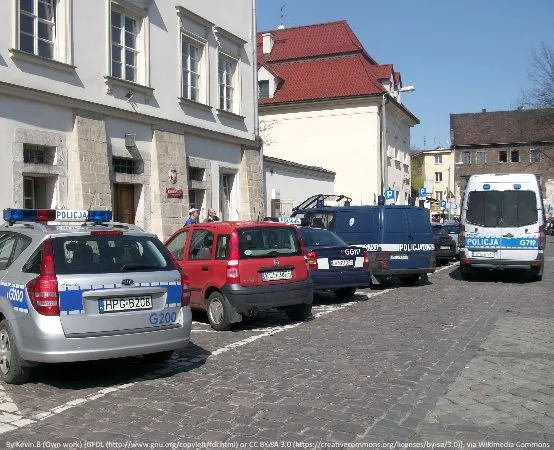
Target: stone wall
(168,214)
(89,183)
(251,185)
(57,170)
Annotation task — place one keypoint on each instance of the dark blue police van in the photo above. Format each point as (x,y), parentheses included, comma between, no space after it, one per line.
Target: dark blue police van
(399,238)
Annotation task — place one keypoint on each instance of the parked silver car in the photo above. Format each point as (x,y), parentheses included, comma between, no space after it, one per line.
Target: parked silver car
(84,292)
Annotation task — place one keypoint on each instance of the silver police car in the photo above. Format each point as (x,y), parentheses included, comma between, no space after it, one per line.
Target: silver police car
(86,291)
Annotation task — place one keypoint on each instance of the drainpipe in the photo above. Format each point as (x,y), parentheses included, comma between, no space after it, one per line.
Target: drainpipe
(256,105)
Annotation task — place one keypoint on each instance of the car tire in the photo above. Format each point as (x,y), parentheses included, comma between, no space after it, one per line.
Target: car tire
(344,293)
(12,366)
(219,312)
(298,312)
(157,358)
(410,280)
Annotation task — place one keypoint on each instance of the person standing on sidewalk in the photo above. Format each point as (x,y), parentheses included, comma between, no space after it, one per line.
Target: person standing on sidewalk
(212,217)
(193,217)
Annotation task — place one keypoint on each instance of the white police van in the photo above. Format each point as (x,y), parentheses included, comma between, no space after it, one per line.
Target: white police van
(502,225)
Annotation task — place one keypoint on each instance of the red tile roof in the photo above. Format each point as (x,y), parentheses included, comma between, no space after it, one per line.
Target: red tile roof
(311,41)
(382,72)
(322,78)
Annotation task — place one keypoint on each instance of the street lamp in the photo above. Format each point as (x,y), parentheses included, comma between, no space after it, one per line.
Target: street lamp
(384,167)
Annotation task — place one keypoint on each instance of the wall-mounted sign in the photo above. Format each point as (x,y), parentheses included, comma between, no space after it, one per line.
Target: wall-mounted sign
(172,175)
(173,193)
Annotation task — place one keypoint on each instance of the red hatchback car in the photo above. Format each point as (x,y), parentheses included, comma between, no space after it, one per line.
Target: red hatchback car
(241,268)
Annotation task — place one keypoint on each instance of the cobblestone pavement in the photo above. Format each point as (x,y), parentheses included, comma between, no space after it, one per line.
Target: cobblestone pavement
(446,361)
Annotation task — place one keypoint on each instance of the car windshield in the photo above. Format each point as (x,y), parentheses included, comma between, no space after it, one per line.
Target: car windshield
(109,254)
(267,242)
(502,208)
(314,237)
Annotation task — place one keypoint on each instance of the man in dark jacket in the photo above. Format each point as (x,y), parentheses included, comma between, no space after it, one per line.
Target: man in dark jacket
(212,217)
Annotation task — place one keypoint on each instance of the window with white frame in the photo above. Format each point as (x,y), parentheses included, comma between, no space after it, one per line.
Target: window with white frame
(227,70)
(191,54)
(438,159)
(125,45)
(438,176)
(37,27)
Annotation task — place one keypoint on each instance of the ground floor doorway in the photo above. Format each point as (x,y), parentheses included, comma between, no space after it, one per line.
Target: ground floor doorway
(124,203)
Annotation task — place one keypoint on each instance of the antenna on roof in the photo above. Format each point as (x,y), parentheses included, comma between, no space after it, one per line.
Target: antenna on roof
(282,26)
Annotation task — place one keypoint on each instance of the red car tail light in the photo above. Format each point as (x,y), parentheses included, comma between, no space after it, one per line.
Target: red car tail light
(233,274)
(542,237)
(366,259)
(43,290)
(311,260)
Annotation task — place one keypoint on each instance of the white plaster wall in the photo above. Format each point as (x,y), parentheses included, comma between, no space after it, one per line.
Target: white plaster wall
(90,50)
(344,139)
(22,114)
(294,184)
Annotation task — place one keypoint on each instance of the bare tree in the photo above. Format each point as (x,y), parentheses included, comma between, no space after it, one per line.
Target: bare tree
(541,74)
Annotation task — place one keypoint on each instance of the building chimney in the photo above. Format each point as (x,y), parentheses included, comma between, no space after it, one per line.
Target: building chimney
(267,43)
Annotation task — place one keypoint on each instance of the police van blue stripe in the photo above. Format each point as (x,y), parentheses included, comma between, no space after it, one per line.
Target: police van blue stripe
(476,241)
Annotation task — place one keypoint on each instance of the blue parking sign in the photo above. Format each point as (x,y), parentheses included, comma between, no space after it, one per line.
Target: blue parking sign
(443,204)
(389,197)
(422,192)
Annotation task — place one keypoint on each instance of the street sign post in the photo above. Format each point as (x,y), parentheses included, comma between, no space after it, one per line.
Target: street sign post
(422,193)
(443,204)
(389,197)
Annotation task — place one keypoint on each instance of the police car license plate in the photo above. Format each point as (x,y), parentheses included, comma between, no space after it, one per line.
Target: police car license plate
(125,304)
(277,275)
(484,254)
(342,262)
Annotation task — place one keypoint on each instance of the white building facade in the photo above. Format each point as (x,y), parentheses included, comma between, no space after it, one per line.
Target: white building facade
(331,105)
(141,106)
(287,184)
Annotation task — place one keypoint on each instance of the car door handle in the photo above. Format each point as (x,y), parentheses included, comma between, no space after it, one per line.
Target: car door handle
(204,268)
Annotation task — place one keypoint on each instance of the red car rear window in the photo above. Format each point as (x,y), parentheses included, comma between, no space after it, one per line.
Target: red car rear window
(268,242)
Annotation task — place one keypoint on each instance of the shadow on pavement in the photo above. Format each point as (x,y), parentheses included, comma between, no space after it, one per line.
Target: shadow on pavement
(112,372)
(493,276)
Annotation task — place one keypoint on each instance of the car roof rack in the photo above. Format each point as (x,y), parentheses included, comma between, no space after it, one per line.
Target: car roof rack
(322,200)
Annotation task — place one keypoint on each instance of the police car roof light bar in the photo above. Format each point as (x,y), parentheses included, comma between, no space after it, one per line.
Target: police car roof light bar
(28,215)
(12,215)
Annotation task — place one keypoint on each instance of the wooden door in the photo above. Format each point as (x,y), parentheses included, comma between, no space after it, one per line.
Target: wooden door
(124,203)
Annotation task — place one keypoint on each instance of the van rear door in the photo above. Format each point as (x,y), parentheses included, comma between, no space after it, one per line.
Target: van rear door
(520,224)
(503,222)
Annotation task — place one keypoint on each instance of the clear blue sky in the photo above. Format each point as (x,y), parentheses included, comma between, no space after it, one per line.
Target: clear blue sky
(461,55)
